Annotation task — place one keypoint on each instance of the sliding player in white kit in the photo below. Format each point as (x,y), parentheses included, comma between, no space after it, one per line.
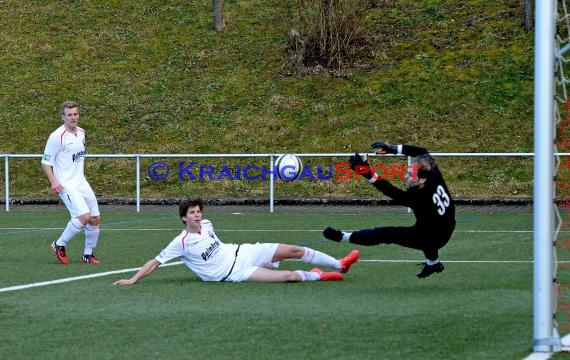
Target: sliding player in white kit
(212,260)
(62,163)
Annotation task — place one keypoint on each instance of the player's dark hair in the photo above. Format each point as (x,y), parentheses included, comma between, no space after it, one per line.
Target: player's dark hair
(188,203)
(428,165)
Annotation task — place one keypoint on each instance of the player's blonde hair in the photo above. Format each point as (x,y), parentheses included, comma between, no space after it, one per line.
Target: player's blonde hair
(69,104)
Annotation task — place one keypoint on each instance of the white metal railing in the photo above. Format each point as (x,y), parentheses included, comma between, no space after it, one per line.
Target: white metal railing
(271,158)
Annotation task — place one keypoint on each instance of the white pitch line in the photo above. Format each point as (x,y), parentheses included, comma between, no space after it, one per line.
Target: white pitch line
(261,230)
(91,276)
(75,278)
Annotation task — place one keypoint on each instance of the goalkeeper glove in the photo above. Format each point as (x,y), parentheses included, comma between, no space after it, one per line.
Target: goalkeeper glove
(360,166)
(384,148)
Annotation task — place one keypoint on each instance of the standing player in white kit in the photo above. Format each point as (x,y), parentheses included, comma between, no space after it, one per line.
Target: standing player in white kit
(62,162)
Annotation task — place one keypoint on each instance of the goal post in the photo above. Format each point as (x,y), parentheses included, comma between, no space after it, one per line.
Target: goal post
(545,335)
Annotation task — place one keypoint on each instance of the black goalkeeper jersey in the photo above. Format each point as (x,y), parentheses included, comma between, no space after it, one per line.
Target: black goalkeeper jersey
(432,205)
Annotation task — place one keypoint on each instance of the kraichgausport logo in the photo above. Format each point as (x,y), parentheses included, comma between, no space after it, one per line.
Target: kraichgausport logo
(342,171)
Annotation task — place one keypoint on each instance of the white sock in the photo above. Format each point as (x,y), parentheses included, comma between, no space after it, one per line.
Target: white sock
(346,236)
(316,257)
(73,228)
(308,275)
(432,262)
(91,237)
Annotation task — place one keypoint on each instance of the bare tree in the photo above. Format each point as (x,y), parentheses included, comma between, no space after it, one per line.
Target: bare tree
(218,14)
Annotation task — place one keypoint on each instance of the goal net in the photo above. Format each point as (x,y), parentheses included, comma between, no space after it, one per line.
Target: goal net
(561,220)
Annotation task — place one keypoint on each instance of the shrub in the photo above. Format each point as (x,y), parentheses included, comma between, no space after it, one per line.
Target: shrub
(327,33)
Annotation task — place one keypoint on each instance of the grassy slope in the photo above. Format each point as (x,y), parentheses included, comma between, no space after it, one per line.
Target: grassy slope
(156,78)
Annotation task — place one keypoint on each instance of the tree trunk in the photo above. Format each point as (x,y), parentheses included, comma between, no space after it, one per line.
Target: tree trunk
(528,14)
(218,14)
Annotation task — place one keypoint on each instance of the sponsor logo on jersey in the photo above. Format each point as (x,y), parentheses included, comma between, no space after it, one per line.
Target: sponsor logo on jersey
(46,157)
(208,253)
(78,156)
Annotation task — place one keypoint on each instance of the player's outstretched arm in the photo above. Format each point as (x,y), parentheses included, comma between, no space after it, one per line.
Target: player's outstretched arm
(411,150)
(381,147)
(147,269)
(360,166)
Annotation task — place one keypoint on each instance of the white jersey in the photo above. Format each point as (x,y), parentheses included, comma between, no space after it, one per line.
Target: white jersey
(202,252)
(66,152)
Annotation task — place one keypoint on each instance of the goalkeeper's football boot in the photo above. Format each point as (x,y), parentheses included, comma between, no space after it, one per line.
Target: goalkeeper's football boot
(328,276)
(427,270)
(332,234)
(89,259)
(60,253)
(348,260)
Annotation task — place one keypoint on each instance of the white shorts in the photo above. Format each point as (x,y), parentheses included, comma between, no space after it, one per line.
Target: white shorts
(80,201)
(251,257)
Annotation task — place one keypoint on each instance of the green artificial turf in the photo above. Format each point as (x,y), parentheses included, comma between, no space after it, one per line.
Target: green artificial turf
(480,307)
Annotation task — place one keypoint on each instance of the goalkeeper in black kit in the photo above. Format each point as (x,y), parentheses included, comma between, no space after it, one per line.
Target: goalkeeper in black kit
(426,194)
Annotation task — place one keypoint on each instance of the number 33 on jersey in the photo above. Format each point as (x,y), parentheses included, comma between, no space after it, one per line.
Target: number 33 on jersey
(441,200)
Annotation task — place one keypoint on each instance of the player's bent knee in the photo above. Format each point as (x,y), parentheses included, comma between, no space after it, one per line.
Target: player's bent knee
(297,251)
(94,220)
(286,251)
(84,219)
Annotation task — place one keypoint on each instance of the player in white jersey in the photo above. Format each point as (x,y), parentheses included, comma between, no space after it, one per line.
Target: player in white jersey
(212,260)
(62,163)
